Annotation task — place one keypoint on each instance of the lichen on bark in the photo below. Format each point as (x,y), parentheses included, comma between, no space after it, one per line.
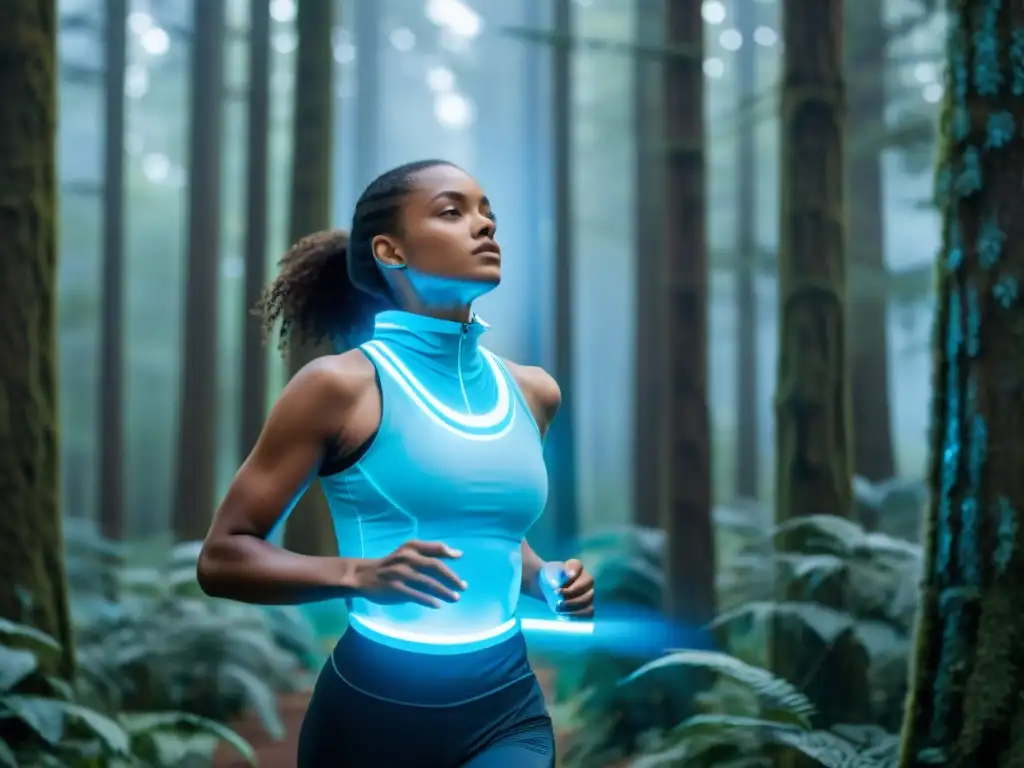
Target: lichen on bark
(965,707)
(33,586)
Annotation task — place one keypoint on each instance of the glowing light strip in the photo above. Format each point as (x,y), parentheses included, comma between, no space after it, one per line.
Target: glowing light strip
(397,377)
(496,415)
(558,626)
(430,639)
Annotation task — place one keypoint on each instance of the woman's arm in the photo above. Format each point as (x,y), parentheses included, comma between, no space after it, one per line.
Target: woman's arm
(237,561)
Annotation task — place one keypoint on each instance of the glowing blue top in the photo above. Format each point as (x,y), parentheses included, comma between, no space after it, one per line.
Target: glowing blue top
(458,459)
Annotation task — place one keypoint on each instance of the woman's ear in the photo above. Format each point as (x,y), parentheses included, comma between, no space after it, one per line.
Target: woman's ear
(387,253)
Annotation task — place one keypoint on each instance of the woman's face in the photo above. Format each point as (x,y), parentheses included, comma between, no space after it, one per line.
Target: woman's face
(447,234)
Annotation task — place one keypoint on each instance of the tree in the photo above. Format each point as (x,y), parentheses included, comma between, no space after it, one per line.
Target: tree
(197,438)
(747,463)
(648,89)
(111,395)
(813,474)
(33,584)
(965,707)
(813,468)
(309,527)
(254,357)
(867,41)
(683,275)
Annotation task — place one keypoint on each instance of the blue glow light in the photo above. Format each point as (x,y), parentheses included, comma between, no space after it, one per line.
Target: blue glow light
(498,421)
(557,626)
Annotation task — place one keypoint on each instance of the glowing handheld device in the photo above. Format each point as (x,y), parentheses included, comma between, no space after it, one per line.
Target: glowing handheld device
(552,577)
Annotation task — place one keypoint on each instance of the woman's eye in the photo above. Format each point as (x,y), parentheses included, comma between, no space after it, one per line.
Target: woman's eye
(450,212)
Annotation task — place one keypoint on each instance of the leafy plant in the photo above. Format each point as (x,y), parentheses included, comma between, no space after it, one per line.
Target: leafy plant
(850,594)
(747,720)
(46,722)
(149,639)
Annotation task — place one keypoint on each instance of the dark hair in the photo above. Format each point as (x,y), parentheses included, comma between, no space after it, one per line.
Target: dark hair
(329,283)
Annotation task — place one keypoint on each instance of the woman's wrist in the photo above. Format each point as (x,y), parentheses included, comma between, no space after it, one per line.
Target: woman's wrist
(531,579)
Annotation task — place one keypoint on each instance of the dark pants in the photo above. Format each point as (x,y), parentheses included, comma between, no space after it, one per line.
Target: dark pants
(376,707)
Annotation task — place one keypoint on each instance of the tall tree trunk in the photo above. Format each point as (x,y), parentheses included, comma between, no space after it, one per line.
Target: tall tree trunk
(30,523)
(197,437)
(689,538)
(965,707)
(111,481)
(254,356)
(649,465)
(747,464)
(561,441)
(813,469)
(873,455)
(309,528)
(813,473)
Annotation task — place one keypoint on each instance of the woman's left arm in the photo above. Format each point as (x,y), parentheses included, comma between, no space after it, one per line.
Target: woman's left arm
(544,398)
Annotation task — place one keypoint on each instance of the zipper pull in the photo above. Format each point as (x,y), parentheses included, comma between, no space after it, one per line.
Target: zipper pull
(465,329)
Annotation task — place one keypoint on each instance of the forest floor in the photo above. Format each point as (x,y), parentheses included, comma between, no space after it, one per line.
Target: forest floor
(292,707)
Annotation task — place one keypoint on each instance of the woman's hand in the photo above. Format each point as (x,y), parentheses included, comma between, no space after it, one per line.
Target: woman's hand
(413,573)
(576,592)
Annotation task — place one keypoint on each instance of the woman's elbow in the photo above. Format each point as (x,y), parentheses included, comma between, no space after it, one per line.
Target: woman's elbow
(209,568)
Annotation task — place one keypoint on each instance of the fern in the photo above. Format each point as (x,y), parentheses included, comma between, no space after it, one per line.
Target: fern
(62,728)
(772,692)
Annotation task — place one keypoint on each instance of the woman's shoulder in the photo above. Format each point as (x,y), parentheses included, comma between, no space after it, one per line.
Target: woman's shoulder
(335,378)
(538,386)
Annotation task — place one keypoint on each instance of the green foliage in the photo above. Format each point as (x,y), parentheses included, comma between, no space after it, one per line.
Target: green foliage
(148,639)
(47,722)
(849,591)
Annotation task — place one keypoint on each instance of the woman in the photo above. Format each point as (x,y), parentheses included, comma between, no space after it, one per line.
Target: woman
(428,448)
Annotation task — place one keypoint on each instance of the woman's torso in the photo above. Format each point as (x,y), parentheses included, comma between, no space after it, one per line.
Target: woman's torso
(457,458)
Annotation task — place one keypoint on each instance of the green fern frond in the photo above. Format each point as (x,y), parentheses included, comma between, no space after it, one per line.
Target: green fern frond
(772,692)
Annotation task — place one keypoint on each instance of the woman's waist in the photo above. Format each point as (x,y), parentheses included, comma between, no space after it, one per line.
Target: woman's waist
(478,620)
(414,677)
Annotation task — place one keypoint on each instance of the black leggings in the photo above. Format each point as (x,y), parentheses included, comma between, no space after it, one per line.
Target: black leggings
(362,720)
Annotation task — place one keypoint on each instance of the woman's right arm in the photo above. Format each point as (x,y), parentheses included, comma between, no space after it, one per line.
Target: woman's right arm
(237,561)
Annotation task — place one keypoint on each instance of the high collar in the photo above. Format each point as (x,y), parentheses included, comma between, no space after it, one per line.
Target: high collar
(434,341)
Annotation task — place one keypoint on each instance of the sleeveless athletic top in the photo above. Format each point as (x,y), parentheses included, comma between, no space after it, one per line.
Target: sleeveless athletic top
(457,459)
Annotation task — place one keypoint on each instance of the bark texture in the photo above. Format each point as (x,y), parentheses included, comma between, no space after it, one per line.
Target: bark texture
(689,556)
(33,585)
(813,469)
(965,707)
(812,408)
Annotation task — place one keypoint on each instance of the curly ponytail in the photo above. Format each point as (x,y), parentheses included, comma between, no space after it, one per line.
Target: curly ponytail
(329,286)
(312,295)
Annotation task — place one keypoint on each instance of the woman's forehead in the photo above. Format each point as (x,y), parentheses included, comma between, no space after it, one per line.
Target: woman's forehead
(445,178)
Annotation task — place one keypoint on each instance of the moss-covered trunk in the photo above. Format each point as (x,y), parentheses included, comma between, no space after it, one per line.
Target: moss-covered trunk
(689,555)
(195,484)
(812,399)
(32,581)
(813,467)
(866,36)
(309,528)
(965,707)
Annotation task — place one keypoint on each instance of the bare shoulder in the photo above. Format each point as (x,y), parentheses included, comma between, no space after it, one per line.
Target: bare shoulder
(540,389)
(327,388)
(333,377)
